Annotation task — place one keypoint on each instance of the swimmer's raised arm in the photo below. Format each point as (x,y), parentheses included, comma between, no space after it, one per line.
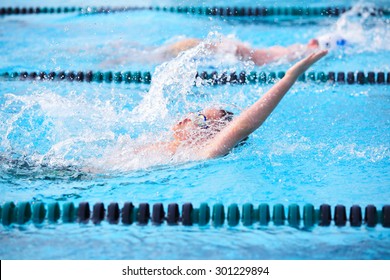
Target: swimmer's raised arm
(253,117)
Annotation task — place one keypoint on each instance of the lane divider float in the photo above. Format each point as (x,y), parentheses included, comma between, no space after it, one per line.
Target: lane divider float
(80,76)
(248,215)
(211,78)
(209,11)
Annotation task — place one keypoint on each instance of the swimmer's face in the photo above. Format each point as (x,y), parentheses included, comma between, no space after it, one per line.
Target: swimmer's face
(201,125)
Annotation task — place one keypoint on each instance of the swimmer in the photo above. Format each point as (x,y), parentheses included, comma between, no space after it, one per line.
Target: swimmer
(213,132)
(245,52)
(225,46)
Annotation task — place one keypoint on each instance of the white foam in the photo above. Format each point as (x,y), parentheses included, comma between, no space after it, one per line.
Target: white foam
(357,31)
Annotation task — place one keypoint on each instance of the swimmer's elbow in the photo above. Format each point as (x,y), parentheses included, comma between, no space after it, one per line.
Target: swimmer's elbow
(217,151)
(208,154)
(214,151)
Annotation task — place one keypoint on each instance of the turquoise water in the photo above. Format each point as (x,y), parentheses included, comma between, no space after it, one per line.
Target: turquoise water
(61,141)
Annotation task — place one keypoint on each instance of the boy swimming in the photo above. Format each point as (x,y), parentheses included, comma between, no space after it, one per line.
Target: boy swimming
(243,51)
(223,47)
(213,132)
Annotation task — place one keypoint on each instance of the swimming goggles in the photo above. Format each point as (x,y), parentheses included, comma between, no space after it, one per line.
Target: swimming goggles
(200,120)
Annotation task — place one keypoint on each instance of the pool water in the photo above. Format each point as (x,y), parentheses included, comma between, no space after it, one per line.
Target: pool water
(70,141)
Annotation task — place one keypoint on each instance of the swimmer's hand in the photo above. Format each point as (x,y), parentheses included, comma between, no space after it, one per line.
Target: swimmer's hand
(301,66)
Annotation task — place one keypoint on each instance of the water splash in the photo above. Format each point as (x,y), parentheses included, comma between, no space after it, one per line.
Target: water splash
(357,31)
(47,129)
(173,82)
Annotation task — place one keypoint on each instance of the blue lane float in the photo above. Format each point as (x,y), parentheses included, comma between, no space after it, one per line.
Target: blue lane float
(257,11)
(329,11)
(210,78)
(79,76)
(248,215)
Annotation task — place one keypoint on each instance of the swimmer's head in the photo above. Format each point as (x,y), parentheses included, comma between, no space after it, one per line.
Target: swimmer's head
(332,41)
(202,125)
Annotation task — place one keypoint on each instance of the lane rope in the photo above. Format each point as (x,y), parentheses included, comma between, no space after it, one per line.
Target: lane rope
(210,78)
(219,215)
(209,11)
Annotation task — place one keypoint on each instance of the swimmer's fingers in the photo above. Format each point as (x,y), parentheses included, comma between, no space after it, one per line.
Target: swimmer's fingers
(308,61)
(314,57)
(304,64)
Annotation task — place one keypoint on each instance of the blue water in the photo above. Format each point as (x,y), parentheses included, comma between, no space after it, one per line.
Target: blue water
(323,144)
